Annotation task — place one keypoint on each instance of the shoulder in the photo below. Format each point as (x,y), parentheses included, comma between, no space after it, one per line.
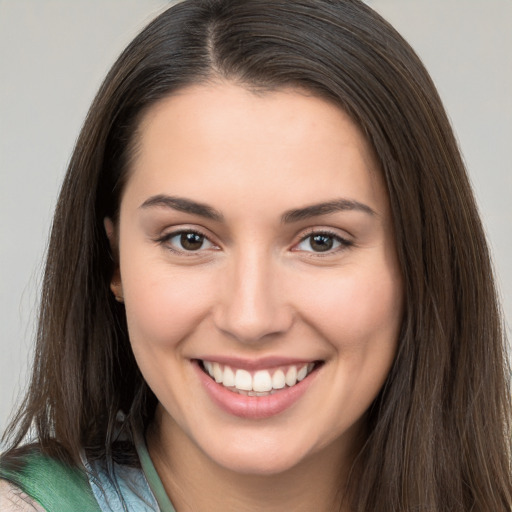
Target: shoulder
(31,477)
(13,499)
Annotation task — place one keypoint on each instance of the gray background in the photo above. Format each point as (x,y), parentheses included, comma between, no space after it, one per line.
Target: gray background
(54,54)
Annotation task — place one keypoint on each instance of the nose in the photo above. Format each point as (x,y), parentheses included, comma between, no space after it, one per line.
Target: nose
(252,305)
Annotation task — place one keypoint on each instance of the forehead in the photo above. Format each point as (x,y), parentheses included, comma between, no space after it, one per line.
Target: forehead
(286,145)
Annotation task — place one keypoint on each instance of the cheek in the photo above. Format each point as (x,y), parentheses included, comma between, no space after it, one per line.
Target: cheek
(361,311)
(360,318)
(162,306)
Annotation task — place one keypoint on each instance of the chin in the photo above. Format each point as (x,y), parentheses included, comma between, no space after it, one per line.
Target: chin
(258,464)
(259,456)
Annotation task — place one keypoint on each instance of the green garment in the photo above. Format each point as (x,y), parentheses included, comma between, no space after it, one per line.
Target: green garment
(57,487)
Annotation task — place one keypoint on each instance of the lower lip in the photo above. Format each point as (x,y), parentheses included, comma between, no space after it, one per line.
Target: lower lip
(253,407)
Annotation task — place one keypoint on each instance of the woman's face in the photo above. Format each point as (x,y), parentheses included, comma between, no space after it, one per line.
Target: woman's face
(257,258)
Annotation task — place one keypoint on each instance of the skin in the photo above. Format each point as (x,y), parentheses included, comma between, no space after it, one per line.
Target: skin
(257,287)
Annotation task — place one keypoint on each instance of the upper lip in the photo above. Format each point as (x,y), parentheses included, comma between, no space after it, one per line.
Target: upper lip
(256,364)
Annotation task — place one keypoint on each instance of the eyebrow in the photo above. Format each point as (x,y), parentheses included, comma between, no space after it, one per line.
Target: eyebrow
(184,205)
(203,210)
(315,210)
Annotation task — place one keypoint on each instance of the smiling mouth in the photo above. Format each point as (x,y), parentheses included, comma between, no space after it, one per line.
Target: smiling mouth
(258,383)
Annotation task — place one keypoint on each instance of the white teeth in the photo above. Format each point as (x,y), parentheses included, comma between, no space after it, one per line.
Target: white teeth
(262,381)
(243,380)
(278,380)
(229,377)
(301,374)
(217,372)
(291,376)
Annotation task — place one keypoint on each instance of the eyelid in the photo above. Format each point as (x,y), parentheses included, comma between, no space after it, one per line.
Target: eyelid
(165,237)
(345,242)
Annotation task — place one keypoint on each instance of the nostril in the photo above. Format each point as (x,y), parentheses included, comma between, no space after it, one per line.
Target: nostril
(254,325)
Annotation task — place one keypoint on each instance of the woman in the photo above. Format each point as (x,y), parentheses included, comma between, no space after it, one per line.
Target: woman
(267,286)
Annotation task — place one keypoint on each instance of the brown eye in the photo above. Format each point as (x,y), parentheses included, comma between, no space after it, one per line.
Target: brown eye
(322,242)
(186,241)
(191,241)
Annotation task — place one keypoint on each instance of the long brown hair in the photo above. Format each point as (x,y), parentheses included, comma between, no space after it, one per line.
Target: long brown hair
(439,432)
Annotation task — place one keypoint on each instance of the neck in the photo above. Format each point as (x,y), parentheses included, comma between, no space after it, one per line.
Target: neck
(196,483)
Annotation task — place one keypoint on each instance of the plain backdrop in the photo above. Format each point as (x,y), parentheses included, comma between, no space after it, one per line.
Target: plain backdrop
(55,53)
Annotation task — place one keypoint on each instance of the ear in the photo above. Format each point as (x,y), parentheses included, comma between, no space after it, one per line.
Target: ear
(116,286)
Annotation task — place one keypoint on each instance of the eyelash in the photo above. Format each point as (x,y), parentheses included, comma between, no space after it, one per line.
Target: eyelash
(343,242)
(165,241)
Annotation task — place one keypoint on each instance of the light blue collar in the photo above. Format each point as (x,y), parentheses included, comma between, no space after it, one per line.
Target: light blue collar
(123,488)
